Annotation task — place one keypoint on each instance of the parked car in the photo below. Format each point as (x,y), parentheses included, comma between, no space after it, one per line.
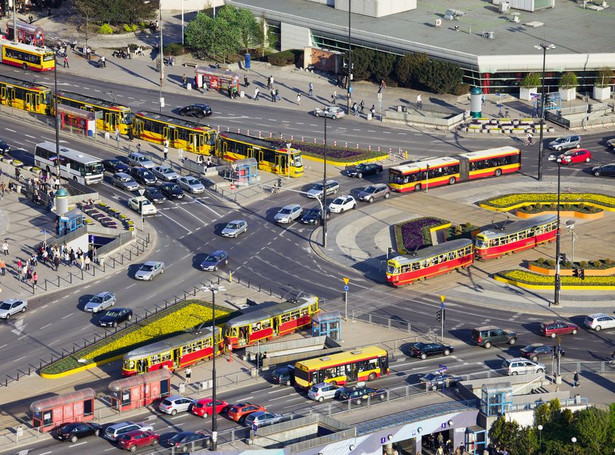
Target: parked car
(283,375)
(488,336)
(373,192)
(124,181)
(174,404)
(235,228)
(76,430)
(359,394)
(434,381)
(288,214)
(314,215)
(262,419)
(143,176)
(187,441)
(113,432)
(100,302)
(191,184)
(205,407)
(142,205)
(238,412)
(323,391)
(139,159)
(565,143)
(519,365)
(214,260)
(4,147)
(342,203)
(11,307)
(333,112)
(115,317)
(536,351)
(171,190)
(196,110)
(599,321)
(137,439)
(424,350)
(165,173)
(316,190)
(572,156)
(608,170)
(611,144)
(150,270)
(154,194)
(115,165)
(364,170)
(555,328)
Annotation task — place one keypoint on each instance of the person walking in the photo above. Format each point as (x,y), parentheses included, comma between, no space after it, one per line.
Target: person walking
(372,110)
(56,262)
(277,94)
(334,97)
(188,374)
(246,82)
(66,62)
(576,383)
(103,61)
(419,102)
(87,261)
(5,248)
(139,147)
(273,98)
(2,267)
(117,135)
(256,92)
(362,106)
(298,99)
(34,281)
(310,89)
(165,151)
(184,80)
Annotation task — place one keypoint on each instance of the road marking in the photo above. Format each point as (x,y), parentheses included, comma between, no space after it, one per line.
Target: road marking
(78,444)
(209,208)
(179,224)
(12,131)
(68,315)
(46,305)
(3,346)
(46,453)
(180,416)
(128,287)
(45,326)
(107,450)
(22,357)
(239,400)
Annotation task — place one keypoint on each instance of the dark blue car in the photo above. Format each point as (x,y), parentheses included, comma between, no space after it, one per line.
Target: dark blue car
(214,260)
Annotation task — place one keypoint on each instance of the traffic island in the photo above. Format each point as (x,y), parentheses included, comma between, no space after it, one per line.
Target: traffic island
(531,280)
(588,205)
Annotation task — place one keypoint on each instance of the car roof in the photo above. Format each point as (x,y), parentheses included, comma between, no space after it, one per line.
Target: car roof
(152,263)
(122,175)
(115,426)
(291,206)
(597,315)
(217,252)
(486,327)
(236,221)
(101,294)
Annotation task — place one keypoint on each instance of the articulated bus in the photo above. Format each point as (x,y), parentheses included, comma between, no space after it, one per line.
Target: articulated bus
(108,115)
(364,364)
(270,157)
(182,134)
(432,172)
(270,322)
(74,165)
(26,56)
(431,261)
(516,236)
(24,95)
(174,353)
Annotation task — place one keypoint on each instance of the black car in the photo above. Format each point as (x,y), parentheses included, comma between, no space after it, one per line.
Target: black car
(536,351)
(313,215)
(283,375)
(607,170)
(114,317)
(4,147)
(357,395)
(188,441)
(196,110)
(171,190)
(424,350)
(143,176)
(114,165)
(364,169)
(77,430)
(154,194)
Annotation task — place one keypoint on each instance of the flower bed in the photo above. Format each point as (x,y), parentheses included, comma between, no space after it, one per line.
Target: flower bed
(541,207)
(516,200)
(532,280)
(414,234)
(600,267)
(342,155)
(172,321)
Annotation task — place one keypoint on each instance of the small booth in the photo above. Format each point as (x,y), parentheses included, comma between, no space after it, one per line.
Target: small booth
(26,33)
(327,324)
(78,119)
(137,391)
(77,406)
(245,172)
(69,222)
(216,78)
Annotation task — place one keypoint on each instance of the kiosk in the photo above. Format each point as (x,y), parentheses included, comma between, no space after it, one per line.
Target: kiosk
(26,33)
(69,222)
(137,391)
(71,407)
(77,119)
(327,324)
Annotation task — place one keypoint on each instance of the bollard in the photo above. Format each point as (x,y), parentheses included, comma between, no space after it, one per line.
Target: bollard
(58,281)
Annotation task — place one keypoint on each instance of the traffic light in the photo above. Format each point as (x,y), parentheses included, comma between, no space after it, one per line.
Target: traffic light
(562,258)
(344,297)
(576,272)
(582,274)
(439,315)
(443,314)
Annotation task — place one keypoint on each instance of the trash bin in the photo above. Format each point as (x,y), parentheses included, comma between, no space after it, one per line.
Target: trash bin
(188,85)
(242,94)
(369,116)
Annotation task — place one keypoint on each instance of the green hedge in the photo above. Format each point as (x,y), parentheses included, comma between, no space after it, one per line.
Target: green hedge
(283,58)
(526,277)
(510,200)
(598,264)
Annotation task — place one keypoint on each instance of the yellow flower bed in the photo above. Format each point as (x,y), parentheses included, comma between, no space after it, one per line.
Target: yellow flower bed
(516,200)
(538,279)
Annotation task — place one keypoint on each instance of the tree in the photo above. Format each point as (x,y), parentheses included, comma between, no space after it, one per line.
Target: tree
(382,66)
(604,77)
(568,80)
(265,37)
(503,432)
(244,22)
(216,37)
(531,80)
(117,12)
(362,60)
(591,427)
(407,69)
(439,76)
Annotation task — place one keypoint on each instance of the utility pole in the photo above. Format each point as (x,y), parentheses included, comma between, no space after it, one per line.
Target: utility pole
(349,85)
(161,58)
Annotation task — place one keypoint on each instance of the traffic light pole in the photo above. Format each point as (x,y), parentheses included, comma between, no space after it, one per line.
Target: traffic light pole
(346,305)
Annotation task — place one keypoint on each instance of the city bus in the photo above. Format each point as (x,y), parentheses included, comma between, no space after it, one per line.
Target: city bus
(362,364)
(26,56)
(74,165)
(269,156)
(108,115)
(516,236)
(429,262)
(182,134)
(174,353)
(489,163)
(265,323)
(24,95)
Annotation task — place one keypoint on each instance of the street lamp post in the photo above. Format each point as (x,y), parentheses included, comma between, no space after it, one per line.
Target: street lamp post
(545,47)
(570,225)
(557,236)
(574,445)
(540,427)
(214,427)
(349,87)
(161,100)
(57,114)
(324,191)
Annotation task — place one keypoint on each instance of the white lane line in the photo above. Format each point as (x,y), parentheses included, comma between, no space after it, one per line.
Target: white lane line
(174,221)
(192,214)
(46,453)
(128,287)
(3,346)
(242,399)
(78,444)
(68,315)
(209,208)
(22,357)
(45,326)
(12,131)
(180,416)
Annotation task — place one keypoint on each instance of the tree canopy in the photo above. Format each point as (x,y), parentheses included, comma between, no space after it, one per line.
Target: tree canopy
(117,12)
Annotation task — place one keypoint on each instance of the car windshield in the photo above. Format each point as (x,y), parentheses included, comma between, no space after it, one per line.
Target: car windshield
(285,211)
(429,377)
(211,258)
(167,171)
(96,299)
(370,189)
(233,226)
(113,313)
(338,200)
(317,187)
(192,181)
(5,306)
(178,437)
(173,187)
(147,268)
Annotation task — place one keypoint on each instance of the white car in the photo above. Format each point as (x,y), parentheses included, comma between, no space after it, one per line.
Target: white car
(174,404)
(150,270)
(165,173)
(599,321)
(11,307)
(191,184)
(329,112)
(234,228)
(519,365)
(100,302)
(288,214)
(141,204)
(342,203)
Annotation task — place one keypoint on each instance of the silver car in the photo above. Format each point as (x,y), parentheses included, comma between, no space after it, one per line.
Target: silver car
(234,228)
(139,159)
(191,184)
(262,418)
(565,143)
(165,173)
(113,432)
(372,192)
(332,112)
(288,214)
(11,307)
(124,181)
(174,404)
(100,302)
(316,191)
(519,365)
(150,270)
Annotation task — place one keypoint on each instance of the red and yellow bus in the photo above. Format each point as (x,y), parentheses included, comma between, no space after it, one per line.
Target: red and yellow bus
(265,323)
(24,95)
(516,236)
(363,364)
(415,176)
(431,261)
(174,353)
(182,134)
(108,115)
(26,56)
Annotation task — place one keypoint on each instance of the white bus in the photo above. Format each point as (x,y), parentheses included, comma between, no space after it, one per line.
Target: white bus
(85,169)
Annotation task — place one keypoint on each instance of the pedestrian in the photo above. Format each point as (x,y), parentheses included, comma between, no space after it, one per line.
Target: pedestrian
(440,440)
(185,80)
(483,99)
(103,60)
(34,281)
(56,183)
(576,379)
(2,267)
(5,248)
(355,109)
(277,94)
(139,147)
(56,262)
(273,98)
(246,82)
(256,92)
(66,62)
(25,273)
(235,92)
(180,152)
(298,99)
(88,52)
(87,262)
(334,97)
(117,135)
(419,102)
(362,106)
(372,110)
(310,89)
(166,149)
(188,374)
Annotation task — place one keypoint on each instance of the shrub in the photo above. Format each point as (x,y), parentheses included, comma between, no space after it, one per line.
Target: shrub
(568,80)
(583,264)
(540,261)
(174,49)
(597,264)
(461,89)
(531,80)
(608,262)
(282,58)
(130,27)
(105,29)
(551,262)
(604,77)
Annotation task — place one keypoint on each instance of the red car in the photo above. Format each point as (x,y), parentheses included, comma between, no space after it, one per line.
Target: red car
(204,407)
(555,328)
(137,439)
(238,412)
(575,156)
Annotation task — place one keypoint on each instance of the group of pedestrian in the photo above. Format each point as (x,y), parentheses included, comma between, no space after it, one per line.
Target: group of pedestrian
(27,272)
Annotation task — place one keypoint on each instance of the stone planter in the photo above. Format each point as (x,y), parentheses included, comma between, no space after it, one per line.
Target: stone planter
(525,93)
(568,94)
(569,272)
(601,93)
(563,213)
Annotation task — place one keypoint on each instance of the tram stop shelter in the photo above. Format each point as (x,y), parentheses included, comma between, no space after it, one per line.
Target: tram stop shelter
(327,324)
(138,391)
(216,78)
(26,33)
(245,172)
(49,413)
(78,120)
(70,221)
